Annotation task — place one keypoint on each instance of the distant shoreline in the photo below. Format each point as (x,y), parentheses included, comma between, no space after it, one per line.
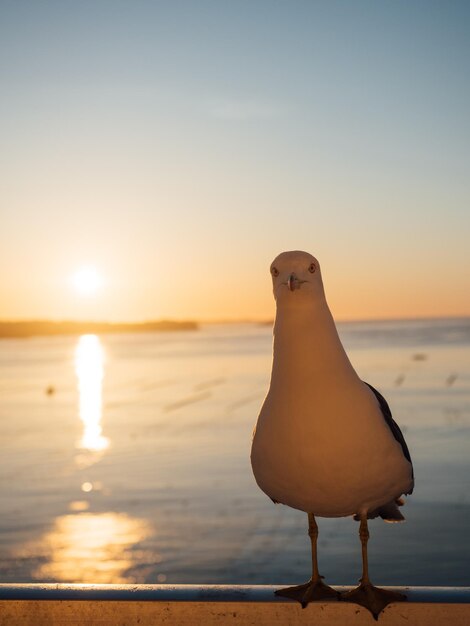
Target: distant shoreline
(41,328)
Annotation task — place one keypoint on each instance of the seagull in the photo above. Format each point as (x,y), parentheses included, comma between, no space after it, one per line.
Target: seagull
(325,441)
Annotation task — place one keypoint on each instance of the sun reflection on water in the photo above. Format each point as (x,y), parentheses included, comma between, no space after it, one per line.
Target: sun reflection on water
(92,547)
(89,367)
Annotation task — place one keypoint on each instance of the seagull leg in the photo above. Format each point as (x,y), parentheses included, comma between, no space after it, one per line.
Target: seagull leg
(315,589)
(372,598)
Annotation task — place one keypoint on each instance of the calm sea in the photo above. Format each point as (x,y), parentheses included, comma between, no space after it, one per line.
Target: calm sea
(125,458)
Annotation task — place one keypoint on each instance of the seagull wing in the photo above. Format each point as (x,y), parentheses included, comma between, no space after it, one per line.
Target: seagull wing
(395,429)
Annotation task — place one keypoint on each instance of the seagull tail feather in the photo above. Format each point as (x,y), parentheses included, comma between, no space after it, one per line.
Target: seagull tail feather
(388,512)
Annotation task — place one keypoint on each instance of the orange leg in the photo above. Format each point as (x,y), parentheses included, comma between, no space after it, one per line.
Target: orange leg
(372,598)
(315,588)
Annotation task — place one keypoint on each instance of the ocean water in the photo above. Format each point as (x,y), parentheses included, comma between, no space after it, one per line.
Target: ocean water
(125,458)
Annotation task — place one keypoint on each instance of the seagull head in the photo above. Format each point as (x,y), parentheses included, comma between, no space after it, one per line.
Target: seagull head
(296,276)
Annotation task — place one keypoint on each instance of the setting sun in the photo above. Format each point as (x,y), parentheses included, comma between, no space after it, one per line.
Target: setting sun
(86,281)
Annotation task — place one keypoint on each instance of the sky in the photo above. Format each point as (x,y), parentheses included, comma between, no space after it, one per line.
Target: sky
(178,147)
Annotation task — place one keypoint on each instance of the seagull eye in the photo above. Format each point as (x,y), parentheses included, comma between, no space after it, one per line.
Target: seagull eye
(274,271)
(312,267)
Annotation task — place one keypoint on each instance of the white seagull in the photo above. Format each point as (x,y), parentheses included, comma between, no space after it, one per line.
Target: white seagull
(325,441)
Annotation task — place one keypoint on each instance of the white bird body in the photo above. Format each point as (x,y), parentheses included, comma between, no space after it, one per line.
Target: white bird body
(321,444)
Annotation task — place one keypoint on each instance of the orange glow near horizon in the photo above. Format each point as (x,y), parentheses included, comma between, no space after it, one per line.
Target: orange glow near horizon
(198,289)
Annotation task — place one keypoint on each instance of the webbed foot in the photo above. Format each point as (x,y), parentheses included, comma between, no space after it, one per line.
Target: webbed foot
(309,592)
(372,598)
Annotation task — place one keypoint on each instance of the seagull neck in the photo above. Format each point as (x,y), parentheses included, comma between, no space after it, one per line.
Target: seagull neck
(307,339)
(300,321)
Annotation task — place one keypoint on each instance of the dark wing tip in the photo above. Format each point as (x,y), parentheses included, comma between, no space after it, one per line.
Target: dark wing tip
(395,429)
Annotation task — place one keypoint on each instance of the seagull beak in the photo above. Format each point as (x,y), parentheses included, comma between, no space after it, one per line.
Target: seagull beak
(291,282)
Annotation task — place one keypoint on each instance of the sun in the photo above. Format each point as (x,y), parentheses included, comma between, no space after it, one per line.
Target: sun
(87,281)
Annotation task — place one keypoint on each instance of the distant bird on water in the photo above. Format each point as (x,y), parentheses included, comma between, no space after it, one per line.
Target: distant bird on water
(325,441)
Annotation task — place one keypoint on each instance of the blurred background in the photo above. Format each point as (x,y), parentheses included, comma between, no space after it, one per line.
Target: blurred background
(155,157)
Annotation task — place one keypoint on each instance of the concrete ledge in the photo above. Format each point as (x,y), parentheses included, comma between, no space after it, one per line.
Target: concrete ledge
(213,605)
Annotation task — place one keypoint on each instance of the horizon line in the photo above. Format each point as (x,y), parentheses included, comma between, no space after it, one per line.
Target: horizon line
(234,320)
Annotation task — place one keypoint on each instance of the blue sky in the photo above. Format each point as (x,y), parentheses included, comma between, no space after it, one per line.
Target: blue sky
(179,146)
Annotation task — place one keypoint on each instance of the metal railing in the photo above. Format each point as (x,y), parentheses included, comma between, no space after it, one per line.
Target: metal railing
(199,593)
